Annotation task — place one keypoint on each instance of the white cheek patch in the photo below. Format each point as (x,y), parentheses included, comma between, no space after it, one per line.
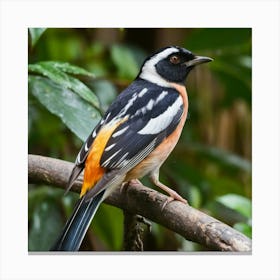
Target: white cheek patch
(161,122)
(149,72)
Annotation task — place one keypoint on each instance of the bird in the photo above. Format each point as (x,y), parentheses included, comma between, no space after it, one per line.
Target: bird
(133,138)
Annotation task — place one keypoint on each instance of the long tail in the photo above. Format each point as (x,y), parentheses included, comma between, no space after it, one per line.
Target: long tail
(76,227)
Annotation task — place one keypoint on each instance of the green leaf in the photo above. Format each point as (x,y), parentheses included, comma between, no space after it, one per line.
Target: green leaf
(235,77)
(44,218)
(106,93)
(194,197)
(238,203)
(53,70)
(244,228)
(231,49)
(221,156)
(77,114)
(35,34)
(45,223)
(68,68)
(125,62)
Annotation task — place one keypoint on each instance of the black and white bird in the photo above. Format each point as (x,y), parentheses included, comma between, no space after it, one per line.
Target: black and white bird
(134,137)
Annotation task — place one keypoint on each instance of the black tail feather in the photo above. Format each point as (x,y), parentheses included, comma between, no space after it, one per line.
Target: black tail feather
(76,227)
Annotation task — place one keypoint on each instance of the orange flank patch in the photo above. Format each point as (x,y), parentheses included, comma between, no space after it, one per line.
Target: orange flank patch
(93,170)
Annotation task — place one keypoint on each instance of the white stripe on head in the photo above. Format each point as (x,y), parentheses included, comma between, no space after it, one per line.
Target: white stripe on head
(161,122)
(149,72)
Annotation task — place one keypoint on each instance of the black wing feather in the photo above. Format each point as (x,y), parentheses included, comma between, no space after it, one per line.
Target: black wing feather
(126,146)
(130,143)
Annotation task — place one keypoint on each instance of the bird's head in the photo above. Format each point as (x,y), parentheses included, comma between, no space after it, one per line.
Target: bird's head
(170,65)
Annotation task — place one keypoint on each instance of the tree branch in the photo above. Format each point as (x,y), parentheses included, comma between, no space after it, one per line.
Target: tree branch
(190,223)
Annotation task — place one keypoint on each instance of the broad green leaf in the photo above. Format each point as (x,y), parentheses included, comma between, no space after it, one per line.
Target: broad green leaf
(124,61)
(45,224)
(238,203)
(77,114)
(35,34)
(49,69)
(244,228)
(222,156)
(68,68)
(231,50)
(105,91)
(44,218)
(235,77)
(194,197)
(242,74)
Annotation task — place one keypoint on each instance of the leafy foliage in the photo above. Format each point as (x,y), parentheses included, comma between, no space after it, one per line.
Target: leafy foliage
(35,34)
(57,72)
(64,103)
(211,165)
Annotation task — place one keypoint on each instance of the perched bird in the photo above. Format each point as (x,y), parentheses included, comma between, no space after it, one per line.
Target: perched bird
(134,137)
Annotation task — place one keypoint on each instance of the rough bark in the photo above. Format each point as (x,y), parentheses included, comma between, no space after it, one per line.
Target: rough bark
(191,223)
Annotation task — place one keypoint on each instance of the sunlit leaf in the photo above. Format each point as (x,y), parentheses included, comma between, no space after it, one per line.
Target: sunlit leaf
(124,61)
(44,218)
(236,80)
(105,91)
(238,203)
(244,228)
(35,34)
(77,114)
(194,196)
(68,68)
(49,69)
(222,156)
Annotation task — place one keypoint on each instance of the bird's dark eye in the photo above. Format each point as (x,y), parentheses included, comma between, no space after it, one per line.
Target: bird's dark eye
(174,59)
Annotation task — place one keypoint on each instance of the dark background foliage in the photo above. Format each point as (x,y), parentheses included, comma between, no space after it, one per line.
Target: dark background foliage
(74,74)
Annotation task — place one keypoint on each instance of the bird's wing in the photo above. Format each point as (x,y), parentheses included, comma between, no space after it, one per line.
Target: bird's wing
(150,116)
(81,157)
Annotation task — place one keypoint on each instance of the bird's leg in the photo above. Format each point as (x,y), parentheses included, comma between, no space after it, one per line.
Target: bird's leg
(124,186)
(172,194)
(133,182)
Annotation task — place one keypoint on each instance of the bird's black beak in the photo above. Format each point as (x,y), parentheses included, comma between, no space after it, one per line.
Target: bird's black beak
(198,60)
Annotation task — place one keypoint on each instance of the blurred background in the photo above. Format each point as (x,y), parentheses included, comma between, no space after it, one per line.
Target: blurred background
(74,75)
